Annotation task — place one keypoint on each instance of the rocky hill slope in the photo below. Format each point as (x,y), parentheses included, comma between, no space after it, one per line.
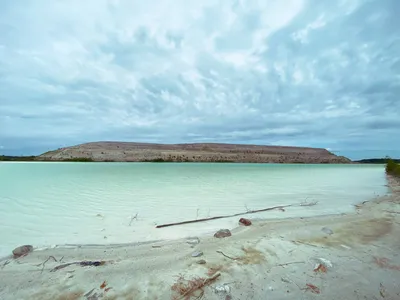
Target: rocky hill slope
(201,152)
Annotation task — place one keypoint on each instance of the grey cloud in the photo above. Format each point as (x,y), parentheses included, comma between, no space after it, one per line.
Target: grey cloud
(327,76)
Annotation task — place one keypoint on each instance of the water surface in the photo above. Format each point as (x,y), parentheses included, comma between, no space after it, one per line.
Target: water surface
(45,204)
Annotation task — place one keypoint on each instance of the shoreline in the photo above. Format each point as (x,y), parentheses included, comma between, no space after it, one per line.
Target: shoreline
(262,261)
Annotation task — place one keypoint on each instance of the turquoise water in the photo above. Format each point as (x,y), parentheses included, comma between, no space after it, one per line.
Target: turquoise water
(45,204)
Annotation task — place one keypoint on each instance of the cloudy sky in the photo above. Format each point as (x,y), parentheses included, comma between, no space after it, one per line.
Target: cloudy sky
(317,73)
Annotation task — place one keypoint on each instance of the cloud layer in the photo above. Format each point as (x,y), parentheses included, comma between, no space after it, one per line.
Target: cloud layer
(294,72)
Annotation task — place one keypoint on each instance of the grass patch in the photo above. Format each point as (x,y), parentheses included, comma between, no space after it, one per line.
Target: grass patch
(17,158)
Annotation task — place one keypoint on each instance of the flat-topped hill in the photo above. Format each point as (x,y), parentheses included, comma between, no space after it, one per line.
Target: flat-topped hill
(198,152)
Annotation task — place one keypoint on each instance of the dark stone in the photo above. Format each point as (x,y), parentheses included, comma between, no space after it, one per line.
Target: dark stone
(22,251)
(245,222)
(222,233)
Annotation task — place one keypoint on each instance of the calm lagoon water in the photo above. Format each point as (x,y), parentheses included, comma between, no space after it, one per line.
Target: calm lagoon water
(47,204)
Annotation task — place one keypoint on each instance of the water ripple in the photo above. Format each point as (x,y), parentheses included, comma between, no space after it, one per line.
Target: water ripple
(45,203)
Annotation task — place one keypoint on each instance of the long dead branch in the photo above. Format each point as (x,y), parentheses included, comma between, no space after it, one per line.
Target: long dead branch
(226,216)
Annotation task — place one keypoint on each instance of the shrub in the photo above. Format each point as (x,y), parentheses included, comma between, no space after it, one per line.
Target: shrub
(79,159)
(392,168)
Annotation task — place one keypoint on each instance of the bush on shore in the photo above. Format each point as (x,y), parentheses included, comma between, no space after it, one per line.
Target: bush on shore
(392,168)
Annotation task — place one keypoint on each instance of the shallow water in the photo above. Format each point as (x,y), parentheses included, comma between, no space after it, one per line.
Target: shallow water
(44,204)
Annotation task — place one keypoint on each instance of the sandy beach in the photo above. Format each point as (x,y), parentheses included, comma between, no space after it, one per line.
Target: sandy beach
(348,256)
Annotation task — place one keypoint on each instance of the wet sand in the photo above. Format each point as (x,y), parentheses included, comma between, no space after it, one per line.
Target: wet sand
(273,259)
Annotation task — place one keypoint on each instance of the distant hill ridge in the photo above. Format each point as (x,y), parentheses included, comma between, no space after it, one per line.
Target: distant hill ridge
(195,152)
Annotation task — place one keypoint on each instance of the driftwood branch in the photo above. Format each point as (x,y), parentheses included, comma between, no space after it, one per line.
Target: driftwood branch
(226,216)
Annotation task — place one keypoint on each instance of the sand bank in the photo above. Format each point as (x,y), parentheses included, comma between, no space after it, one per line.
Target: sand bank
(269,260)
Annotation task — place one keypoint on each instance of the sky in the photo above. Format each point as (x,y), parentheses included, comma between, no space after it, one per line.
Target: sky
(316,73)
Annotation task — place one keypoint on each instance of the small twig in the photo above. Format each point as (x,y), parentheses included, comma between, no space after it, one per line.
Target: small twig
(298,242)
(88,293)
(247,209)
(227,255)
(80,263)
(44,263)
(133,218)
(290,263)
(305,203)
(392,211)
(204,283)
(63,266)
(5,264)
(197,213)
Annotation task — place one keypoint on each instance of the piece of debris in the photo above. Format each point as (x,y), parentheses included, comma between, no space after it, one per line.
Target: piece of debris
(290,263)
(245,222)
(304,243)
(222,289)
(22,251)
(326,263)
(327,230)
(213,270)
(80,263)
(95,296)
(201,262)
(222,233)
(284,279)
(314,289)
(306,203)
(383,262)
(227,256)
(320,268)
(5,264)
(345,246)
(133,218)
(103,285)
(107,289)
(44,263)
(185,288)
(88,293)
(382,290)
(193,240)
(197,253)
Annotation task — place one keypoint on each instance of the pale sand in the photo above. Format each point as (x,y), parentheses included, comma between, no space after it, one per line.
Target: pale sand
(364,251)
